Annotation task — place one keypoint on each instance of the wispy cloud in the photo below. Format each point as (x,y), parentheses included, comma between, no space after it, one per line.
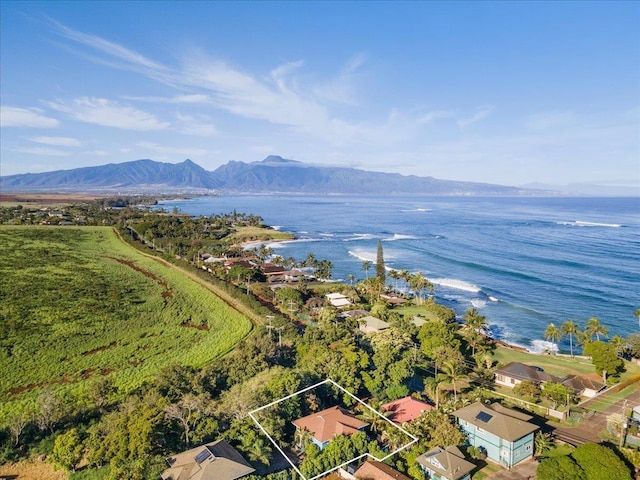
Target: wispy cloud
(56,141)
(100,111)
(25,117)
(198,125)
(186,151)
(278,98)
(342,88)
(176,100)
(481,113)
(42,151)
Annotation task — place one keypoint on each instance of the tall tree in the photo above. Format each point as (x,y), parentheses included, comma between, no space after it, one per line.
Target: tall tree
(366,265)
(594,327)
(637,314)
(553,334)
(453,372)
(380,270)
(569,329)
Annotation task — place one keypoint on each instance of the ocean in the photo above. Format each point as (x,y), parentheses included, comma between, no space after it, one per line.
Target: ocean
(523,262)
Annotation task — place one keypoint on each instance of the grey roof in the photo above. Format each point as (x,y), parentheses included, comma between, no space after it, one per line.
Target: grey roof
(213,461)
(507,424)
(449,462)
(522,371)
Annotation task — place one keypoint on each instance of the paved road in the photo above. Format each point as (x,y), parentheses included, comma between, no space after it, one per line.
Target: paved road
(590,427)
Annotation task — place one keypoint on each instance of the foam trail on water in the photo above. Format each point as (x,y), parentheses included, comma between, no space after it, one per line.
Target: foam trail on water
(398,236)
(455,283)
(539,346)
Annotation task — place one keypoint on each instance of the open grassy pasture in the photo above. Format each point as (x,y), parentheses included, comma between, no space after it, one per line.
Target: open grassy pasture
(77,303)
(558,365)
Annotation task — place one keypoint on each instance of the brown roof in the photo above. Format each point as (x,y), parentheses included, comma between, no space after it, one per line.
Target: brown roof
(213,461)
(372,470)
(580,383)
(501,421)
(328,423)
(406,409)
(522,371)
(449,462)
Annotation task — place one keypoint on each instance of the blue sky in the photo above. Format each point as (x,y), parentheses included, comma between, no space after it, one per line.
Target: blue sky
(499,92)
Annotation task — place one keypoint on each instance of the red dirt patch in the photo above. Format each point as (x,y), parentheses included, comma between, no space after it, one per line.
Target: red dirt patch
(167,293)
(100,349)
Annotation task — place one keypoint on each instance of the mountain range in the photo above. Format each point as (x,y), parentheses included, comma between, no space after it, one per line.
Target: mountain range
(274,174)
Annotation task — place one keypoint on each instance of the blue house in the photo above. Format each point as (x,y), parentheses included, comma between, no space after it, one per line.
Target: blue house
(505,434)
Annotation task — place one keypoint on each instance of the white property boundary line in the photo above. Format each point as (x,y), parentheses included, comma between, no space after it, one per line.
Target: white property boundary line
(328,380)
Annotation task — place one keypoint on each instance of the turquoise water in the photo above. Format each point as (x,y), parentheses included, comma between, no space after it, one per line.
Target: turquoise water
(522,262)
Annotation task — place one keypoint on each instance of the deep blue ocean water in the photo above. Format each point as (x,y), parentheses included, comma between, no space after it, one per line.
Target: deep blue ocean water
(522,262)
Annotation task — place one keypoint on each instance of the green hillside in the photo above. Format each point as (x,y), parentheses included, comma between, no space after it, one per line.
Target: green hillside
(78,304)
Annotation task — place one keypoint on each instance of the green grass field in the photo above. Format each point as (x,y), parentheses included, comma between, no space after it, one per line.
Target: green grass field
(77,303)
(558,365)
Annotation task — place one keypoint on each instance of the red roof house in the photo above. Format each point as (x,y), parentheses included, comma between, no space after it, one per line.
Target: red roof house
(406,409)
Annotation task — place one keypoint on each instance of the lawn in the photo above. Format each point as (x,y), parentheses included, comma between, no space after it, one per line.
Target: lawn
(558,365)
(250,234)
(79,304)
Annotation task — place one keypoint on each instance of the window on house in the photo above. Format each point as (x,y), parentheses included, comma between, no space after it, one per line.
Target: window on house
(501,378)
(517,453)
(528,448)
(513,380)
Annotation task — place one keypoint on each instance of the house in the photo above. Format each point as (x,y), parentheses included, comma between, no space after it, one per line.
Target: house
(217,460)
(338,300)
(406,409)
(505,434)
(328,423)
(270,270)
(515,372)
(582,386)
(371,324)
(353,314)
(445,464)
(394,300)
(372,470)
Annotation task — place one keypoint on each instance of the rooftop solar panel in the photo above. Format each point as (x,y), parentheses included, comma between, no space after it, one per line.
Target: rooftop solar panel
(484,417)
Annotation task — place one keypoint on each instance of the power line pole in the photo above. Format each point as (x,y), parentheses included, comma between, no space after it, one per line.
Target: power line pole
(624,425)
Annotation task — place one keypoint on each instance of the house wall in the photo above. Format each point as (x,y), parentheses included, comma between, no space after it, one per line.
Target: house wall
(499,450)
(431,475)
(506,381)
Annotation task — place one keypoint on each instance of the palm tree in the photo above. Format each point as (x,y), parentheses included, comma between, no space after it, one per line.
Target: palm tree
(418,283)
(617,342)
(366,265)
(637,314)
(351,278)
(542,442)
(594,327)
(453,372)
(569,328)
(395,274)
(553,334)
(375,420)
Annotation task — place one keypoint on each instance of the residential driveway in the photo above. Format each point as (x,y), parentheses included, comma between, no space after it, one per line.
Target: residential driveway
(526,471)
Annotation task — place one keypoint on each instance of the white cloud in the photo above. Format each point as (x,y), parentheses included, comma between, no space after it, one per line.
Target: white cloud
(196,125)
(276,98)
(179,99)
(25,117)
(341,89)
(262,149)
(100,111)
(56,141)
(46,151)
(481,113)
(185,151)
(430,117)
(99,153)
